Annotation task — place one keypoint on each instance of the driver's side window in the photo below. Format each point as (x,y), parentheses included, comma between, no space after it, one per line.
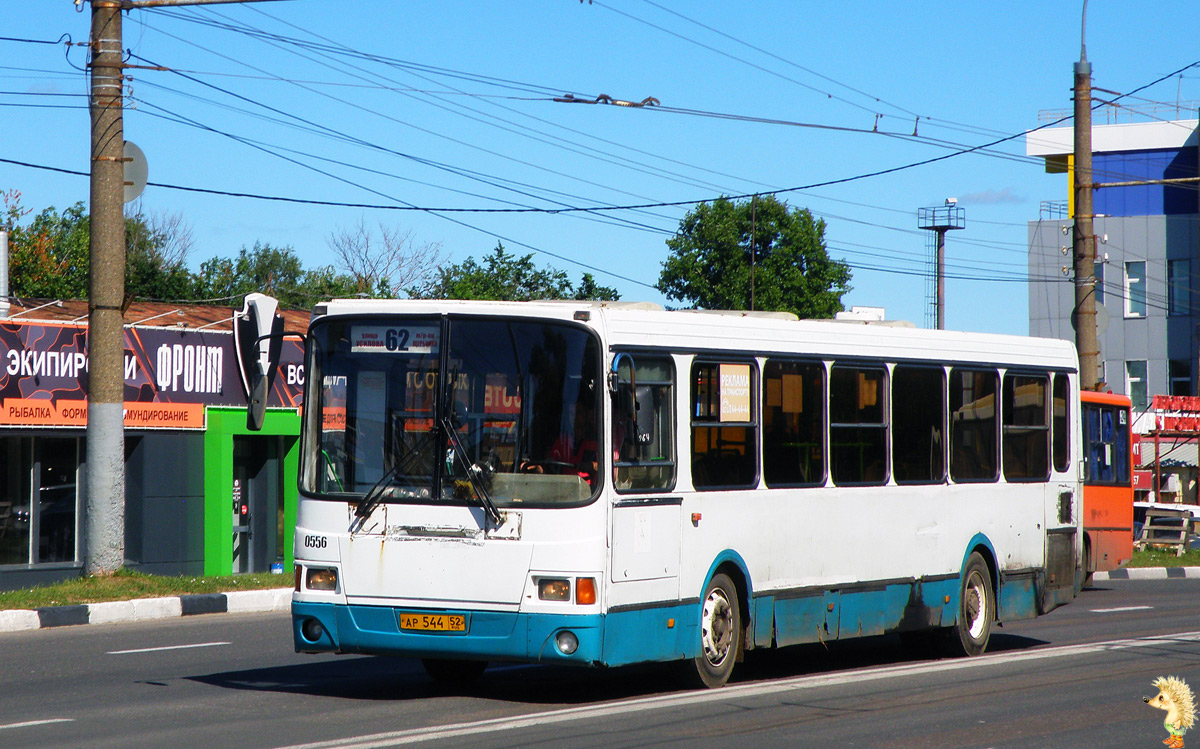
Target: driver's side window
(643,423)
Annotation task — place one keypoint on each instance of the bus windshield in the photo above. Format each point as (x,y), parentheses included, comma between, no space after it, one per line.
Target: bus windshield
(514,417)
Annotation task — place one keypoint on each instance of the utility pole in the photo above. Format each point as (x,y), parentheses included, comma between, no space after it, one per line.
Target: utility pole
(1083,246)
(105,507)
(104,520)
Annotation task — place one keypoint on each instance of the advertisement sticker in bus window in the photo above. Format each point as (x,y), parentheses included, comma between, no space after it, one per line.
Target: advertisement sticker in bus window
(735,392)
(386,339)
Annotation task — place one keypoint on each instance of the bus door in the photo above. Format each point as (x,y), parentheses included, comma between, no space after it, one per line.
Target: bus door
(1063,502)
(647,520)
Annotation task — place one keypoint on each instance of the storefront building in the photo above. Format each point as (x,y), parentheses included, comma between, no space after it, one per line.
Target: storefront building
(204,494)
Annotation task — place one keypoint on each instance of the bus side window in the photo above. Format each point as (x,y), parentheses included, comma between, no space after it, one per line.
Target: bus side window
(1026,428)
(724,431)
(974,442)
(793,416)
(857,425)
(918,424)
(643,433)
(1061,421)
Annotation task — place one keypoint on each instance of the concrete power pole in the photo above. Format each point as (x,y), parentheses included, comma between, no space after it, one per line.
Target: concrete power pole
(1083,254)
(104,521)
(105,507)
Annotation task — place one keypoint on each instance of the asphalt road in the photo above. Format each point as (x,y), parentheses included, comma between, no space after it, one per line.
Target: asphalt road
(1073,678)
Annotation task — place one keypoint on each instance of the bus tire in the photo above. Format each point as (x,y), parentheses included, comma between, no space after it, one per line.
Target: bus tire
(720,632)
(976,608)
(453,673)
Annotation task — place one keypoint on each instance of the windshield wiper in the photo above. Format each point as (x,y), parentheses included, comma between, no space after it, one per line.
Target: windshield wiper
(374,495)
(473,472)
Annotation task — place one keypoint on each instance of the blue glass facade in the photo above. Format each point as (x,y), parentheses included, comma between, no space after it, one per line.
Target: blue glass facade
(1145,200)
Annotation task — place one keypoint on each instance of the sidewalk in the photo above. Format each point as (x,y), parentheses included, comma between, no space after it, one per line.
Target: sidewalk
(1148,573)
(145,609)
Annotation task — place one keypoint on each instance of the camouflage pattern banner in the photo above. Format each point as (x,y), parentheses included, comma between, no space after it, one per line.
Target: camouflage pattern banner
(170,376)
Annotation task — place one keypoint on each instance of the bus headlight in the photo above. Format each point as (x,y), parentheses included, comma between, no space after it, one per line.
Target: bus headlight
(320,578)
(554,589)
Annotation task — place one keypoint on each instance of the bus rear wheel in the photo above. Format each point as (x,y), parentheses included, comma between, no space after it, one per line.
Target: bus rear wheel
(453,673)
(976,607)
(720,632)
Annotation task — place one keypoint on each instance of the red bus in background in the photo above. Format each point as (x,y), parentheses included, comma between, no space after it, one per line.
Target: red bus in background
(1107,482)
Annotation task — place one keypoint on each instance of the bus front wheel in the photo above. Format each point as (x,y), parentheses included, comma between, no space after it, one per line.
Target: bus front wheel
(976,607)
(720,632)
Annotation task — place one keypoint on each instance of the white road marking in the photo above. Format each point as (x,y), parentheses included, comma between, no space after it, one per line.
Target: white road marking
(168,647)
(1121,608)
(29,723)
(737,691)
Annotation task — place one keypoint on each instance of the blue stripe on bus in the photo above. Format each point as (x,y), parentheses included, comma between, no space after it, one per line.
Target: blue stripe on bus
(833,614)
(491,635)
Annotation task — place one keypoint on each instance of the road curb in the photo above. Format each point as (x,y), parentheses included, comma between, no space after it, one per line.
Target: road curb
(1148,573)
(145,609)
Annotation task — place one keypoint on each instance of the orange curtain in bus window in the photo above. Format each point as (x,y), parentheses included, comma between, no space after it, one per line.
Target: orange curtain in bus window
(734,383)
(419,393)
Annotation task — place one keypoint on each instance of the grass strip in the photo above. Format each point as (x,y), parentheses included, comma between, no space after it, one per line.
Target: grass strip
(126,585)
(1164,558)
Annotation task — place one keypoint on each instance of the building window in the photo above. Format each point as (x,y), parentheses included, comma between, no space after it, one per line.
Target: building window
(1135,289)
(39,518)
(1180,372)
(1178,287)
(1135,383)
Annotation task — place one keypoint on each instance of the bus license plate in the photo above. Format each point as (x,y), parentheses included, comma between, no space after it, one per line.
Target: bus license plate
(433,622)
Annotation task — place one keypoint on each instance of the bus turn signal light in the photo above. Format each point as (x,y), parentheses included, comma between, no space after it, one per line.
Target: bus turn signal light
(585,591)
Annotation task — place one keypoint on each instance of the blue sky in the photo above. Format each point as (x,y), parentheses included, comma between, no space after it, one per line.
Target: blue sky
(450,105)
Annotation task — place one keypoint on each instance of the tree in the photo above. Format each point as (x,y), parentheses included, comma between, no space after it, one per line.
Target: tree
(755,254)
(386,264)
(49,257)
(271,270)
(507,277)
(156,250)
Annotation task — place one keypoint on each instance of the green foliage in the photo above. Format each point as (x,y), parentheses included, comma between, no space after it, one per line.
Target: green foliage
(49,260)
(49,257)
(275,271)
(1161,557)
(710,265)
(149,273)
(505,277)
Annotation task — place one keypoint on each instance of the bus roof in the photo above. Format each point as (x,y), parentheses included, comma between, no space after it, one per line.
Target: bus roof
(1106,398)
(647,325)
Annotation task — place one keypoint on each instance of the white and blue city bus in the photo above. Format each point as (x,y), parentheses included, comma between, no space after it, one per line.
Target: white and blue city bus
(604,484)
